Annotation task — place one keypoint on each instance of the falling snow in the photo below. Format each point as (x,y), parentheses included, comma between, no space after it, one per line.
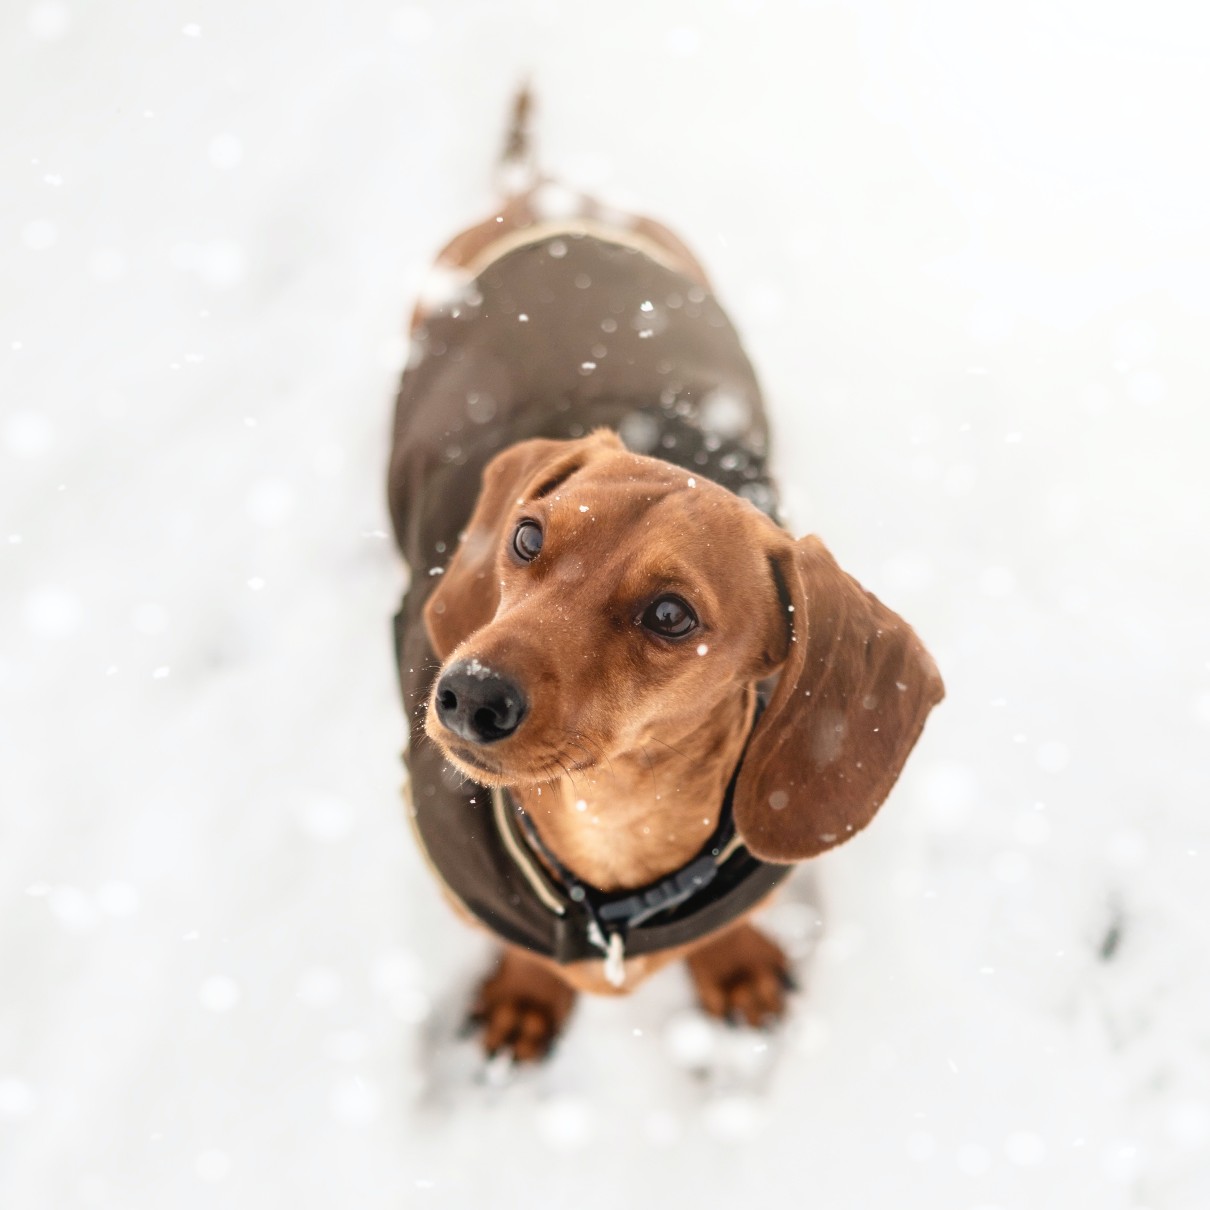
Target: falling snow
(227,968)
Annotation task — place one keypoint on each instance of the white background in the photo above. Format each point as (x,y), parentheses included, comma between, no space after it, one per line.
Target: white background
(967,245)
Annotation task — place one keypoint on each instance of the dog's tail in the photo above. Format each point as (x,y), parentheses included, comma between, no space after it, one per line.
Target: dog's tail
(517,169)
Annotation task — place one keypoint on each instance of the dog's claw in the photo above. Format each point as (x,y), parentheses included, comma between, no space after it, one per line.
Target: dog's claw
(742,978)
(520,1010)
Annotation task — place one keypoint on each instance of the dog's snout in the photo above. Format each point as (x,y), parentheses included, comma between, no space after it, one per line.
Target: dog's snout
(478,704)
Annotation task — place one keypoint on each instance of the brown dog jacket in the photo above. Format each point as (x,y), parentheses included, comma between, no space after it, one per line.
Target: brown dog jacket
(554,339)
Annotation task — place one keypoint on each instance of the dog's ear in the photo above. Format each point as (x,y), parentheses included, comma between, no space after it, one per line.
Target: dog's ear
(854,691)
(468,595)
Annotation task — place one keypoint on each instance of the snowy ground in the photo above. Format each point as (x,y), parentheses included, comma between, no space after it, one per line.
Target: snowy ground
(968,247)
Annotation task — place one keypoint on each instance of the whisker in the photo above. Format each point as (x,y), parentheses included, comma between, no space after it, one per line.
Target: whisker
(672,749)
(584,748)
(545,774)
(566,770)
(596,757)
(651,767)
(433,665)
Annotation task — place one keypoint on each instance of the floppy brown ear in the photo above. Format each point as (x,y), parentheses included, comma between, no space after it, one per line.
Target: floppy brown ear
(467,595)
(854,692)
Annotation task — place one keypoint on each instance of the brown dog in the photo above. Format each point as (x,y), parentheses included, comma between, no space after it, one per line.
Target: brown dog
(635,700)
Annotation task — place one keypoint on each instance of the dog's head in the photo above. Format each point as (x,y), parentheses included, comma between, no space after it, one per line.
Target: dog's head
(599,598)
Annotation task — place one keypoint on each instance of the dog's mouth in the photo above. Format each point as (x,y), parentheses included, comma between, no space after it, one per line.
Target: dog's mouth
(477,764)
(537,772)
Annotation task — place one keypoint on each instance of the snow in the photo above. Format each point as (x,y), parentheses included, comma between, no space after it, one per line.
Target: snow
(229,977)
(219,993)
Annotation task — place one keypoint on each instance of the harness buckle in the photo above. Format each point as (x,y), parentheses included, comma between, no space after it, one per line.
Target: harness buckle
(615,952)
(615,960)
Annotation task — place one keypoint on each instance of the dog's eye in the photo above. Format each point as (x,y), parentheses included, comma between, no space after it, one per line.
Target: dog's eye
(670,617)
(527,541)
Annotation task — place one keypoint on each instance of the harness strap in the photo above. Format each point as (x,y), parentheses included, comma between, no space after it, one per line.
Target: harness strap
(522,857)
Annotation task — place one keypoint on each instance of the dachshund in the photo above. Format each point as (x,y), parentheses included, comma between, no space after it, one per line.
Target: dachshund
(635,700)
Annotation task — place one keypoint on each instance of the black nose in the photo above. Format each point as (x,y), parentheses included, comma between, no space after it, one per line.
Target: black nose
(478,704)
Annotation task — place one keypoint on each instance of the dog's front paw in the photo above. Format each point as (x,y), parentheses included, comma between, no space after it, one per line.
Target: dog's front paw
(742,976)
(521,1008)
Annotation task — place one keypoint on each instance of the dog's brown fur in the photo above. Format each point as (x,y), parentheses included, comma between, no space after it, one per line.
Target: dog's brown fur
(624,759)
